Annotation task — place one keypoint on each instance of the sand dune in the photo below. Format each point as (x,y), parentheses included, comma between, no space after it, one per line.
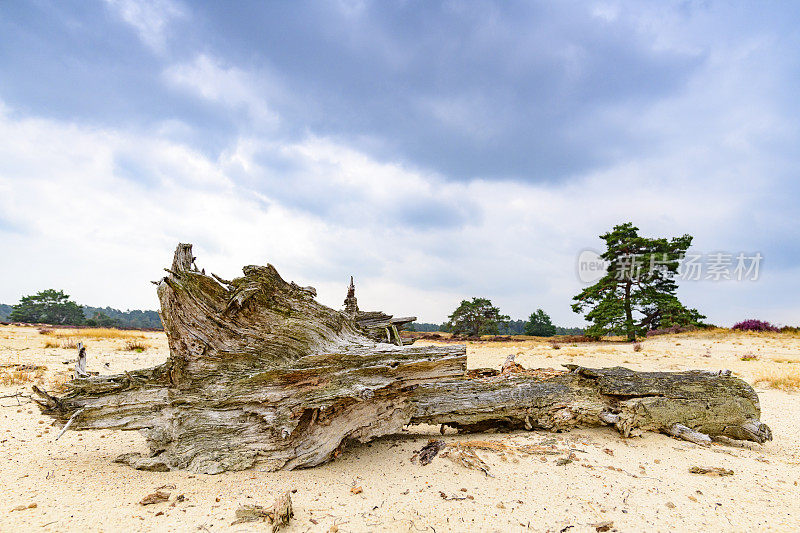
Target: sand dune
(636,484)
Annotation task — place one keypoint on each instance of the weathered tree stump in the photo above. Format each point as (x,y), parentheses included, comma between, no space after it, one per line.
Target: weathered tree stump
(259,371)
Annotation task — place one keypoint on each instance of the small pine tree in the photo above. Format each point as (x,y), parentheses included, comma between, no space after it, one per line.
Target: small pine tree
(476,317)
(539,325)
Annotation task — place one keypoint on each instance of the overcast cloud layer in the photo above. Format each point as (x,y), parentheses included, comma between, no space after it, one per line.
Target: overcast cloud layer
(436,151)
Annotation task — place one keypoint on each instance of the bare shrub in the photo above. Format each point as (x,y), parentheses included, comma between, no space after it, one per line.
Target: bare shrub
(69,344)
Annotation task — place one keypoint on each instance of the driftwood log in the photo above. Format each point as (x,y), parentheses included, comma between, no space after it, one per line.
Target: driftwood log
(259,371)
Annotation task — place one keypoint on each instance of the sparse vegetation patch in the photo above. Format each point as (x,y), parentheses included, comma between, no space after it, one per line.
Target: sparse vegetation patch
(136,346)
(787,378)
(98,333)
(19,374)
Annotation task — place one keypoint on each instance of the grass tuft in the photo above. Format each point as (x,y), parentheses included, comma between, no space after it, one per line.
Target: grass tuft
(69,344)
(136,346)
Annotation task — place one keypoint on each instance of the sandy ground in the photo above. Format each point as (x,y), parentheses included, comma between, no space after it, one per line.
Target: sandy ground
(638,484)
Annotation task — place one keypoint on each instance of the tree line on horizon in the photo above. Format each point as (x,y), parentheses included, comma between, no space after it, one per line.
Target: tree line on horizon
(54,307)
(478,317)
(485,319)
(636,295)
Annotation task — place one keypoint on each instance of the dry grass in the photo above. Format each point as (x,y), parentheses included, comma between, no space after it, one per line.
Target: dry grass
(56,382)
(67,344)
(20,374)
(135,346)
(68,339)
(728,334)
(605,350)
(708,333)
(787,379)
(98,333)
(785,360)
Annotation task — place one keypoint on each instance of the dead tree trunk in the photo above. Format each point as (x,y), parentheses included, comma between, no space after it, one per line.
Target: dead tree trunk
(259,371)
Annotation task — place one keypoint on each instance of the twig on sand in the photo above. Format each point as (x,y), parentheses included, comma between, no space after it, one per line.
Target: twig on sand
(16,396)
(69,422)
(11,395)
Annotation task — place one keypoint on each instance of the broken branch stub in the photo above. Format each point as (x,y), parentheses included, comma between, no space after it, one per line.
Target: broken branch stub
(259,371)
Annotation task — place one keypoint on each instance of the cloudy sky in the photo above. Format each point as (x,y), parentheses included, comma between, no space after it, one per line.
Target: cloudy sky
(436,151)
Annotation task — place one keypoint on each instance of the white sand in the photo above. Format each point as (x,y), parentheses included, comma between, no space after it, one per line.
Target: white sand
(644,485)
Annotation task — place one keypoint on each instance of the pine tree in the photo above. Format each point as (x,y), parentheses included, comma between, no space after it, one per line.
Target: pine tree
(637,292)
(539,325)
(476,317)
(47,307)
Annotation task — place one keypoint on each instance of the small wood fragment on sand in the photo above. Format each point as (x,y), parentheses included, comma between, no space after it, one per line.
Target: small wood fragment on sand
(444,496)
(156,497)
(282,511)
(279,514)
(430,450)
(710,471)
(24,507)
(250,513)
(682,432)
(467,458)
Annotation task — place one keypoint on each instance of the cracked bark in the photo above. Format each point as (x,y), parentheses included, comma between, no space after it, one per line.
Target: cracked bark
(259,372)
